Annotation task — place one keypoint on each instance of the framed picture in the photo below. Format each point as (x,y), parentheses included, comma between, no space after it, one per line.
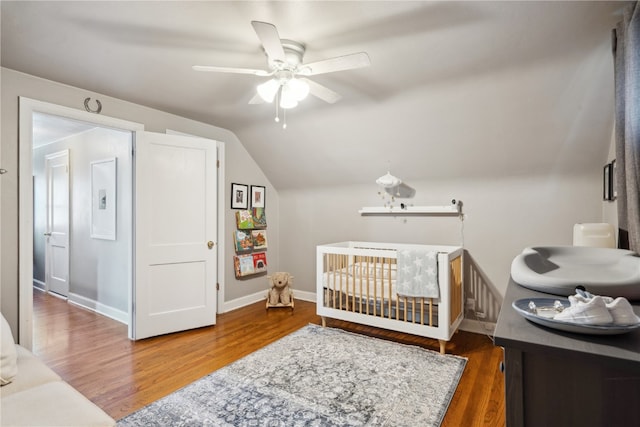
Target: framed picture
(103,199)
(613,181)
(258,194)
(606,182)
(239,196)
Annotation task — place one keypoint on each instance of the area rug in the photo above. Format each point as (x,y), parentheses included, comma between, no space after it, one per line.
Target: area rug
(316,377)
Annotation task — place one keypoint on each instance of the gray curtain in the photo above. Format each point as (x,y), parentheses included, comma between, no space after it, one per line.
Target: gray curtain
(626,53)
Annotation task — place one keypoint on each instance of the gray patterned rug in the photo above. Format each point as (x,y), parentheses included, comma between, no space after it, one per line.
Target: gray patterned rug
(316,377)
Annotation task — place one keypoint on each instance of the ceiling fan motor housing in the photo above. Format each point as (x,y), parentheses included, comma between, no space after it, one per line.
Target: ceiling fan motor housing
(293,52)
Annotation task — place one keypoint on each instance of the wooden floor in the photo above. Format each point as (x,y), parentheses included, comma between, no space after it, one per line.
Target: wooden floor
(93,354)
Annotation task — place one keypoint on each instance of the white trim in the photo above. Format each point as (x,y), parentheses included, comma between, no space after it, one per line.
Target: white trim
(97,307)
(304,295)
(27,107)
(244,301)
(39,285)
(222,234)
(262,296)
(478,327)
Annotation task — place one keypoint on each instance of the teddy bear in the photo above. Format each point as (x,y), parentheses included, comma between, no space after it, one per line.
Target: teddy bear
(280,292)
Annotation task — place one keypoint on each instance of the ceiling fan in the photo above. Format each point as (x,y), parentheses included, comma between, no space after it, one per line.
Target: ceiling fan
(289,83)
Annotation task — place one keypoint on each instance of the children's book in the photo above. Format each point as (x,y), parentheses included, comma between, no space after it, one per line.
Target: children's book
(259,218)
(243,240)
(243,265)
(259,262)
(259,238)
(244,220)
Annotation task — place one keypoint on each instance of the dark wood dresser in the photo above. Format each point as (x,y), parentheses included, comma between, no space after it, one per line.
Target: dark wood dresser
(556,378)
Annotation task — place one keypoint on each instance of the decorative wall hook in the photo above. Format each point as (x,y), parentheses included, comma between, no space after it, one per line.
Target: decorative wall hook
(97,110)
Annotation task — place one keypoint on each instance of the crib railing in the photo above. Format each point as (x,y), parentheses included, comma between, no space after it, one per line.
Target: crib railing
(366,285)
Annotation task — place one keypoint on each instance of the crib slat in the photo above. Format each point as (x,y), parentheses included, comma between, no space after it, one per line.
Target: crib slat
(367,263)
(340,293)
(391,292)
(430,311)
(375,286)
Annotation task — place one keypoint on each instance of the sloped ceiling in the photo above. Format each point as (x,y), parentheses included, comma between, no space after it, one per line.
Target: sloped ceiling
(467,90)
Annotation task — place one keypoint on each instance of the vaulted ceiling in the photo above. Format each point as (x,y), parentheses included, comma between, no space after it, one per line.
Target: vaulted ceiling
(455,89)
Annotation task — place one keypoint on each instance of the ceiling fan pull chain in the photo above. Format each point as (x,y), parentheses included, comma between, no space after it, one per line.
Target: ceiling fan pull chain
(278,105)
(284,116)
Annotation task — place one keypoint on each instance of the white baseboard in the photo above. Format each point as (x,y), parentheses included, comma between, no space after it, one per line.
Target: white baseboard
(243,301)
(39,285)
(105,310)
(478,327)
(262,296)
(304,296)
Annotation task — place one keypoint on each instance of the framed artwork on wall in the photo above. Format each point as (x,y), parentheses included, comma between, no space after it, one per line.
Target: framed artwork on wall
(103,199)
(258,194)
(239,196)
(613,181)
(606,182)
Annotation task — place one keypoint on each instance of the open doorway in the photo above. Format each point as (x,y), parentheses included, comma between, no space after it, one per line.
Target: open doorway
(28,109)
(82,213)
(176,193)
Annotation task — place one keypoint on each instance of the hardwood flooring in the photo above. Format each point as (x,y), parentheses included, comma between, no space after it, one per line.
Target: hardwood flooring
(93,354)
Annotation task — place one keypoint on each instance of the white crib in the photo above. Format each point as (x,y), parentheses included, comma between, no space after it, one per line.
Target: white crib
(356,283)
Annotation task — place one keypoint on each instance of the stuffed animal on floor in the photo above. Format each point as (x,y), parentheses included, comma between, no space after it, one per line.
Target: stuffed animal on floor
(280,292)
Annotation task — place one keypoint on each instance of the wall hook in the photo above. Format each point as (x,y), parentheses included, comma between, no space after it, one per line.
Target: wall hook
(97,110)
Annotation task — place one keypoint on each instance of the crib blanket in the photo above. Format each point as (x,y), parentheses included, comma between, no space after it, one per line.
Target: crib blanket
(417,274)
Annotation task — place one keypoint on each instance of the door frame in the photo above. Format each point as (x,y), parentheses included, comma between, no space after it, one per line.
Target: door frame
(47,252)
(27,107)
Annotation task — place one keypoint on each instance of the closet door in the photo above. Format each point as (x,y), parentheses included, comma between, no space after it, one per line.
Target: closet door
(57,223)
(176,234)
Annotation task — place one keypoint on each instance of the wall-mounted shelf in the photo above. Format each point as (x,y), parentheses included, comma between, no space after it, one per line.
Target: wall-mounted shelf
(453,209)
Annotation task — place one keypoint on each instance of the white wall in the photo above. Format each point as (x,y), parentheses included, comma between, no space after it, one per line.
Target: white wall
(239,167)
(99,270)
(502,217)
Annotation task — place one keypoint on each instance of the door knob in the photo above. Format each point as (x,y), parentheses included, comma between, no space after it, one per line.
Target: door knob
(210,244)
(47,234)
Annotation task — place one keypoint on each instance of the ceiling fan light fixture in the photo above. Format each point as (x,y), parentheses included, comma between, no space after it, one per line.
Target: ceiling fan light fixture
(287,98)
(268,90)
(298,89)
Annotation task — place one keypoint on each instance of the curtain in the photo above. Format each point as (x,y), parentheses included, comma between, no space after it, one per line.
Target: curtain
(626,53)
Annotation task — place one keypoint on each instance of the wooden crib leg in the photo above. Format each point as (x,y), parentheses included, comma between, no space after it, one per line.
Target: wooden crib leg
(324,322)
(443,345)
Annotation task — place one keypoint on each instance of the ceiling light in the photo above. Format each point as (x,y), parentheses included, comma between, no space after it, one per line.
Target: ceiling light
(286,90)
(268,90)
(288,97)
(298,89)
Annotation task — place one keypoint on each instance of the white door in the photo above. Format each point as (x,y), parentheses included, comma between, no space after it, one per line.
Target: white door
(57,224)
(175,234)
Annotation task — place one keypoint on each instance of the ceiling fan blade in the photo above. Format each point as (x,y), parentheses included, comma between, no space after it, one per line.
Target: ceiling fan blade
(268,35)
(322,92)
(257,99)
(261,73)
(347,62)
